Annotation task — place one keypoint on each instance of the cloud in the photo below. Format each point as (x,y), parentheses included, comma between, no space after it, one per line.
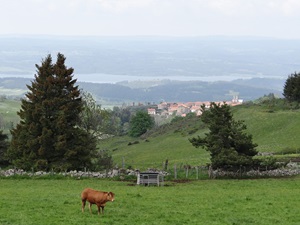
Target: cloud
(286,7)
(151,17)
(123,5)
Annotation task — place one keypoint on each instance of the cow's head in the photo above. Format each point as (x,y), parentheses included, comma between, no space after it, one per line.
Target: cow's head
(110,196)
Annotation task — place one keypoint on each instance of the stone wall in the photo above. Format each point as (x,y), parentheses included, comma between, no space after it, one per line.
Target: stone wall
(77,174)
(291,169)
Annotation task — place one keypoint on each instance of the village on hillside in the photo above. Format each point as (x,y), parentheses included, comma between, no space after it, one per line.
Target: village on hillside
(182,109)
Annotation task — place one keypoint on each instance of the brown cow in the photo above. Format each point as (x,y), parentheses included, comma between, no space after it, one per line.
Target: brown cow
(96,197)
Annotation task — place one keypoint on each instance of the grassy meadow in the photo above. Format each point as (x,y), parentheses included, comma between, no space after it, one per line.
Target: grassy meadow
(272,131)
(8,114)
(154,152)
(213,202)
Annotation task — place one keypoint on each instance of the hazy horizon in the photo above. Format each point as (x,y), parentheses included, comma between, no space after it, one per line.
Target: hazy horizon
(119,37)
(97,59)
(269,18)
(113,78)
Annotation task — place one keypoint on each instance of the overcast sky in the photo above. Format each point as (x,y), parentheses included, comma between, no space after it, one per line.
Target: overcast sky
(268,18)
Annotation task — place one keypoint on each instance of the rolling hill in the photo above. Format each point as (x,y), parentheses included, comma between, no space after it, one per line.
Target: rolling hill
(273,131)
(109,94)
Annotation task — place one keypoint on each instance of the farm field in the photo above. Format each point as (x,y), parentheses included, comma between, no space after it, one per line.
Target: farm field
(213,202)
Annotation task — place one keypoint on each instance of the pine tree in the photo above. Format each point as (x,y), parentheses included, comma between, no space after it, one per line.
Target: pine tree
(48,135)
(3,149)
(291,89)
(229,145)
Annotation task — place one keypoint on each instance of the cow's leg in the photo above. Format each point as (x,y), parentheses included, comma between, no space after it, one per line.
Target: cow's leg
(83,205)
(98,208)
(90,207)
(102,207)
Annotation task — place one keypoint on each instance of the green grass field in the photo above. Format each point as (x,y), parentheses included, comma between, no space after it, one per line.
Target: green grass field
(8,115)
(172,146)
(273,132)
(207,202)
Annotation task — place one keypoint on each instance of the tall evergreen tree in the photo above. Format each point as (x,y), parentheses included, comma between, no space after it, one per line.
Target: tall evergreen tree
(291,90)
(3,149)
(229,145)
(48,135)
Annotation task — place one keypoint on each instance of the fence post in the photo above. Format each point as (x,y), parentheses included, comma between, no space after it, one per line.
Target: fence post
(197,172)
(166,164)
(210,172)
(187,172)
(241,171)
(175,172)
(123,162)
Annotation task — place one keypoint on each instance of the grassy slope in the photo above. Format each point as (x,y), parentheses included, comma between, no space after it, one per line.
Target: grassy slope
(172,146)
(9,108)
(8,112)
(272,132)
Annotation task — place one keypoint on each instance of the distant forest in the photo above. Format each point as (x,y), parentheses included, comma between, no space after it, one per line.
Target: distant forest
(166,90)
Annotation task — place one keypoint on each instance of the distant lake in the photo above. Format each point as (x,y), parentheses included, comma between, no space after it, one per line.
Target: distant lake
(109,78)
(112,60)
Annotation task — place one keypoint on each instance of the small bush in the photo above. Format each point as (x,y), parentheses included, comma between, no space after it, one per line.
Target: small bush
(288,150)
(269,163)
(133,143)
(193,130)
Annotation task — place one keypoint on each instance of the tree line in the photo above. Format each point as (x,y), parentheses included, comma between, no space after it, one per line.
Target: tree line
(60,126)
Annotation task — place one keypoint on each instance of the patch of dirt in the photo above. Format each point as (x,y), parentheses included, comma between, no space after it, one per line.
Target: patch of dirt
(182,181)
